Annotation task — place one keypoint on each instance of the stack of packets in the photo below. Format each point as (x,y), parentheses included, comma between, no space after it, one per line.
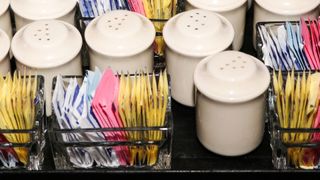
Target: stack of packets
(112,101)
(297,103)
(157,10)
(291,46)
(17,112)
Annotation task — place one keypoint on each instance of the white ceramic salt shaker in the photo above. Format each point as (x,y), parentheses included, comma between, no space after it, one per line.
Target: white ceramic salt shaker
(284,10)
(4,53)
(5,22)
(27,11)
(189,37)
(230,105)
(121,40)
(234,10)
(48,48)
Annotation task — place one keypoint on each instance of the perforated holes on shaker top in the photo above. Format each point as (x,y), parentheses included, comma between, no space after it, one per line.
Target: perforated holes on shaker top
(197,21)
(42,34)
(116,23)
(234,64)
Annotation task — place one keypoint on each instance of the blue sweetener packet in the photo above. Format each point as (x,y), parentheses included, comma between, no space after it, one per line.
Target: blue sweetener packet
(83,8)
(282,39)
(299,65)
(277,51)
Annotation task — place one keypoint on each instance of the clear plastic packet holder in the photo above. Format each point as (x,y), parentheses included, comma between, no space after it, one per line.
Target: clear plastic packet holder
(281,149)
(36,145)
(60,148)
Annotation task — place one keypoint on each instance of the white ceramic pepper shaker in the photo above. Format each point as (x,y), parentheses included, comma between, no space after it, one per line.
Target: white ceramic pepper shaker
(121,40)
(231,101)
(4,53)
(5,22)
(284,10)
(234,10)
(27,11)
(191,36)
(48,48)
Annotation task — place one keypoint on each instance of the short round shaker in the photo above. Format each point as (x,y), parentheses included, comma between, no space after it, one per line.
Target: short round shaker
(121,40)
(234,10)
(4,53)
(190,37)
(48,48)
(27,11)
(230,102)
(5,21)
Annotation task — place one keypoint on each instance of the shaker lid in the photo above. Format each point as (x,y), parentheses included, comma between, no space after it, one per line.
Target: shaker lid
(4,45)
(217,6)
(198,33)
(4,5)
(46,44)
(231,77)
(42,9)
(120,33)
(288,7)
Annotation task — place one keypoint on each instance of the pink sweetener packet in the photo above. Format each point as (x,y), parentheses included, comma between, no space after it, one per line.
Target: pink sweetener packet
(314,41)
(137,6)
(105,110)
(307,44)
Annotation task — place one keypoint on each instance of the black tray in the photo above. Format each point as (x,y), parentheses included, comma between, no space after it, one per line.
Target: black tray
(189,156)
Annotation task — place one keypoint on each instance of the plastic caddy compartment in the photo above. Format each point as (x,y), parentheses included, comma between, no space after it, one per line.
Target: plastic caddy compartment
(292,148)
(34,146)
(273,26)
(302,153)
(141,151)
